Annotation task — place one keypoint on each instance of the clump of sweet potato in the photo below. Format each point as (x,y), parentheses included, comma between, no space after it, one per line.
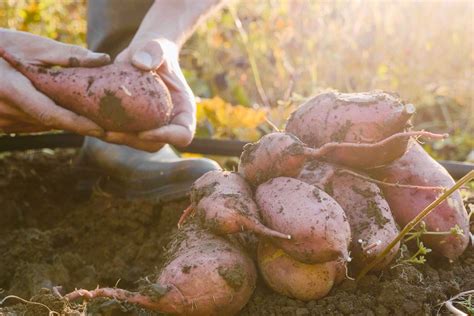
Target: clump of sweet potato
(295,279)
(118,97)
(318,226)
(416,167)
(224,203)
(203,275)
(372,224)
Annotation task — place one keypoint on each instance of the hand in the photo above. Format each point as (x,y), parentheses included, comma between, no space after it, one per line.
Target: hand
(25,109)
(152,53)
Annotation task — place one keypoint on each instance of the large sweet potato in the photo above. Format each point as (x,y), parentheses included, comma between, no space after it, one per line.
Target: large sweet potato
(359,118)
(318,226)
(223,201)
(118,97)
(416,167)
(203,275)
(292,278)
(372,224)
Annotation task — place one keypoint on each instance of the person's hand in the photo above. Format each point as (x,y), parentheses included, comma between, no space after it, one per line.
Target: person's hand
(150,52)
(25,109)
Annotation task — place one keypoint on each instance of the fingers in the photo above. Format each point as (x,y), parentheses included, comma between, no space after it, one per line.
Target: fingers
(173,134)
(24,96)
(133,141)
(13,126)
(41,50)
(72,56)
(149,56)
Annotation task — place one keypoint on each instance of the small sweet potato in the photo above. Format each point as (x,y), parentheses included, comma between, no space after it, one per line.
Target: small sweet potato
(292,278)
(416,167)
(274,155)
(372,224)
(118,97)
(318,226)
(203,275)
(223,201)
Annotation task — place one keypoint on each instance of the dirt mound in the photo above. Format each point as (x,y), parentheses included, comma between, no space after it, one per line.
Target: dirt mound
(53,233)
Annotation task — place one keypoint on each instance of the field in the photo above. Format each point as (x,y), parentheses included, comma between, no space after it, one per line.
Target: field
(250,65)
(52,233)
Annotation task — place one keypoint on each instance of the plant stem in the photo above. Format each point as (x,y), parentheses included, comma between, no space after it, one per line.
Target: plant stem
(253,64)
(415,222)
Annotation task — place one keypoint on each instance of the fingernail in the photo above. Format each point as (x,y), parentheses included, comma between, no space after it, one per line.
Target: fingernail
(143,59)
(101,56)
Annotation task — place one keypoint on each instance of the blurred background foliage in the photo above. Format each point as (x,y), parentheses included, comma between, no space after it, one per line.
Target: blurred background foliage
(260,59)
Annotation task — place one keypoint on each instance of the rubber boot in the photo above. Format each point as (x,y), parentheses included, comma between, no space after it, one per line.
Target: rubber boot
(133,174)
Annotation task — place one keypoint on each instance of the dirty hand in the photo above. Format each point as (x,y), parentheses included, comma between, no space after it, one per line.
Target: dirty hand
(25,109)
(153,53)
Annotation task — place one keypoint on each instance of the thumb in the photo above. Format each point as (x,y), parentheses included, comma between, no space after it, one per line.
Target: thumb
(149,56)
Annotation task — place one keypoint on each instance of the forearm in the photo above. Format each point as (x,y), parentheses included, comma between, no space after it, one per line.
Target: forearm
(176,20)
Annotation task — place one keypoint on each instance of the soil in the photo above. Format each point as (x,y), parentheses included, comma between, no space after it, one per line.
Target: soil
(54,232)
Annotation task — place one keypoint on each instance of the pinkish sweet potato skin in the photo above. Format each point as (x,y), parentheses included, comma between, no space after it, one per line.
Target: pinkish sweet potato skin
(355,118)
(274,155)
(205,275)
(224,203)
(292,278)
(318,226)
(416,167)
(118,97)
(372,223)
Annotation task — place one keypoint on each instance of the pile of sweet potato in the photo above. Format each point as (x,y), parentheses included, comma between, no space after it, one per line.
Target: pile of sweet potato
(330,191)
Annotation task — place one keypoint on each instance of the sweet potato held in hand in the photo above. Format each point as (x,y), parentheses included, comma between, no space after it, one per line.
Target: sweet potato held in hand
(118,97)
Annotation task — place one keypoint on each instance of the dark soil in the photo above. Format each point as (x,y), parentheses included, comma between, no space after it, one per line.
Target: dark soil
(53,234)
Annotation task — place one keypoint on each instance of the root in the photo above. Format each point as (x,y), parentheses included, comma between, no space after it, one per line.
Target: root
(186,213)
(328,147)
(50,312)
(450,303)
(367,248)
(259,228)
(114,293)
(345,262)
(388,184)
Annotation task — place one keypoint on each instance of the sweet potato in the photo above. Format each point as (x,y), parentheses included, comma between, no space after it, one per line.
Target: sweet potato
(292,278)
(372,224)
(203,275)
(416,167)
(283,154)
(357,118)
(318,226)
(223,202)
(118,97)
(274,155)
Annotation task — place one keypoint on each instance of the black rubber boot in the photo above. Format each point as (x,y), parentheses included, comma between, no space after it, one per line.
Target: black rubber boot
(121,170)
(132,174)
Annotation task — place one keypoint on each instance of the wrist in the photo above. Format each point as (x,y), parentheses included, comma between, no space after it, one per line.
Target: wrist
(176,20)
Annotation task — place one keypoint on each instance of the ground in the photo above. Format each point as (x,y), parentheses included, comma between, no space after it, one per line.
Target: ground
(52,233)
